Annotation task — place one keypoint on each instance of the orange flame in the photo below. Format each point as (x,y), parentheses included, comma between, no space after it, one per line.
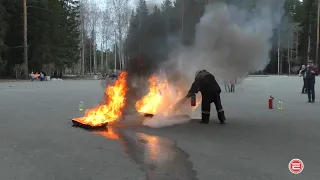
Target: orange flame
(161,97)
(109,133)
(112,109)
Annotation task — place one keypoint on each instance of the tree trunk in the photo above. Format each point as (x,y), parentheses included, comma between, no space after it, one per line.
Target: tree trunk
(115,56)
(120,46)
(306,29)
(297,45)
(106,62)
(288,56)
(82,39)
(291,53)
(25,39)
(60,73)
(94,57)
(101,61)
(83,53)
(278,50)
(90,59)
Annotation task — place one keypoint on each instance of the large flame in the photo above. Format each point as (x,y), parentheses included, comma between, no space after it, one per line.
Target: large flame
(111,110)
(161,98)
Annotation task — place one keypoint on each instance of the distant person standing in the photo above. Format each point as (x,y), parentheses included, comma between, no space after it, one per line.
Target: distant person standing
(303,75)
(41,76)
(311,73)
(232,84)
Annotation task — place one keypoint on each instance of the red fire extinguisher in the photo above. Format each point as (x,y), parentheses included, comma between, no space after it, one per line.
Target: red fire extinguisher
(271,102)
(193,100)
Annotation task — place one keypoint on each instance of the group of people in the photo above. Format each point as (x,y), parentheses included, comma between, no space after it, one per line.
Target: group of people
(37,76)
(309,73)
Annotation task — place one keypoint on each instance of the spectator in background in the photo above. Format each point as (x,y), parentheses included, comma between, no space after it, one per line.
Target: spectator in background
(232,84)
(311,72)
(114,75)
(303,75)
(33,76)
(41,76)
(37,75)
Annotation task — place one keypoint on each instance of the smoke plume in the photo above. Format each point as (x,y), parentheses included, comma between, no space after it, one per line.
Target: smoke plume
(184,116)
(231,39)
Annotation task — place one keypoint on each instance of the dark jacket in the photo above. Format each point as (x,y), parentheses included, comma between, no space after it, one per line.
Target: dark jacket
(205,83)
(311,73)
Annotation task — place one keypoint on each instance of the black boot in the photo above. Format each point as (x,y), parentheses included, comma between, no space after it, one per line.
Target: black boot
(221,117)
(205,119)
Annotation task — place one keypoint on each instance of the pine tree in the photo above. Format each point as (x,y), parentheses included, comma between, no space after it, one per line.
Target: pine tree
(3,30)
(72,9)
(142,11)
(131,41)
(167,8)
(3,27)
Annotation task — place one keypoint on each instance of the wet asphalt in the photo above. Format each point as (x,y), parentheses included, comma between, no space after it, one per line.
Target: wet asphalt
(38,142)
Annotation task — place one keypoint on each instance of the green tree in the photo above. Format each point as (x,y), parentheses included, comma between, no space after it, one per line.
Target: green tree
(3,31)
(308,4)
(3,26)
(131,41)
(167,9)
(137,29)
(53,34)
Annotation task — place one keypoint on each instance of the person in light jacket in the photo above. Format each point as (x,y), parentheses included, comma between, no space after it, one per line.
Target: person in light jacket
(303,75)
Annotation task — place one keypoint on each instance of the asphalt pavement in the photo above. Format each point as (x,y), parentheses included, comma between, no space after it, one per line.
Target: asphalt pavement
(38,142)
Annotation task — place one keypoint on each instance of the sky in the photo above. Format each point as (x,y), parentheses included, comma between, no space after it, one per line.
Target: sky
(102,3)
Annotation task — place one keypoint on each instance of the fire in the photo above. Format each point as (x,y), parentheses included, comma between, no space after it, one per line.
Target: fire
(160,99)
(110,133)
(111,110)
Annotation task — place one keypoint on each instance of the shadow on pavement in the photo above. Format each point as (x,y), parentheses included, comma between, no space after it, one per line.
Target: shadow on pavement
(158,157)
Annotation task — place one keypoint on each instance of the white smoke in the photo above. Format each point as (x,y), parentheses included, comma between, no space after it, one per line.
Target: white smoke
(159,121)
(183,117)
(231,39)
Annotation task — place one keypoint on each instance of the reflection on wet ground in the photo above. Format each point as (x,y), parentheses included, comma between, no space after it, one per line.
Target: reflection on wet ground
(158,157)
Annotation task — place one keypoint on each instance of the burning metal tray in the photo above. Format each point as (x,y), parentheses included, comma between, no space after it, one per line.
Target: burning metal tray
(148,115)
(174,116)
(89,127)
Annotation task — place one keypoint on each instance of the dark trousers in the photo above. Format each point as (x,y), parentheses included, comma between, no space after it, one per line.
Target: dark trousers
(310,90)
(232,87)
(206,105)
(304,87)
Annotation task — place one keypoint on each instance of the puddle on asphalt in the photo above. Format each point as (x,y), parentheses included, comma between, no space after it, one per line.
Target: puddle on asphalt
(158,157)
